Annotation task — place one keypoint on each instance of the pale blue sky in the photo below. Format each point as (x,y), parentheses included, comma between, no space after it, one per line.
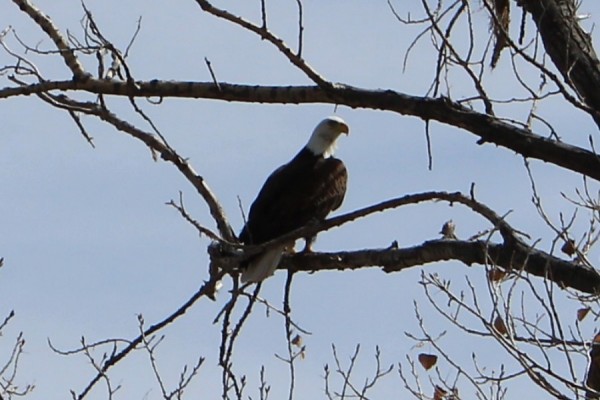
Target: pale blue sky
(89,243)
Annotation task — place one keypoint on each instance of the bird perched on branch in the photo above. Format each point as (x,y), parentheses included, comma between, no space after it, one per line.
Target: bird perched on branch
(304,190)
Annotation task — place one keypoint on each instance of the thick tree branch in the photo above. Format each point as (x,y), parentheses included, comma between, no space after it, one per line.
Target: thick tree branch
(569,46)
(227,249)
(511,257)
(185,168)
(488,128)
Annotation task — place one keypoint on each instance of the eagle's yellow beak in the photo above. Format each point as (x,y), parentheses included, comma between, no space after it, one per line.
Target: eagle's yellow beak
(344,129)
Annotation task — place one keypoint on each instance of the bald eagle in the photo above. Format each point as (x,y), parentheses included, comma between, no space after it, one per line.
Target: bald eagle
(304,190)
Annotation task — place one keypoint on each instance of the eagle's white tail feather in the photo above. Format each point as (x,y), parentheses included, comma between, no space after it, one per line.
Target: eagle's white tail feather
(263,266)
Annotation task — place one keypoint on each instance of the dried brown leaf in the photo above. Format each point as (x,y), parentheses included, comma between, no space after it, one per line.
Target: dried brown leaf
(569,247)
(448,230)
(297,341)
(427,360)
(496,274)
(500,326)
(500,24)
(439,393)
(582,313)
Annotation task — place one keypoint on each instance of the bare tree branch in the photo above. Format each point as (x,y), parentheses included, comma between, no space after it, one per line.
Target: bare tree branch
(265,34)
(488,128)
(52,31)
(510,257)
(569,46)
(207,290)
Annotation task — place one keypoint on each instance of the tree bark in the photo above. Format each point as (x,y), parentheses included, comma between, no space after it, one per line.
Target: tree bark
(511,257)
(569,47)
(488,128)
(592,379)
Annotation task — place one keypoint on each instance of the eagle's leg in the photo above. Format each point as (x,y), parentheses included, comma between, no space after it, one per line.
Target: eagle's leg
(308,244)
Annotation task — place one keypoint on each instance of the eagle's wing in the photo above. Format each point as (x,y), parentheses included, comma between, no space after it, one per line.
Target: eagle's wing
(294,195)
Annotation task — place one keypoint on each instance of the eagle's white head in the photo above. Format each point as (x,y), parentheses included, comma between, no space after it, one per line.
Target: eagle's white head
(322,141)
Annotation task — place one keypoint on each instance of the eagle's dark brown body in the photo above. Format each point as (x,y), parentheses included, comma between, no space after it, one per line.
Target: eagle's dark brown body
(306,189)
